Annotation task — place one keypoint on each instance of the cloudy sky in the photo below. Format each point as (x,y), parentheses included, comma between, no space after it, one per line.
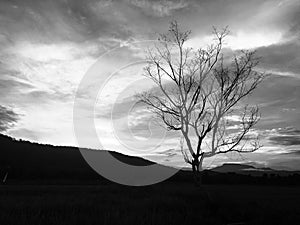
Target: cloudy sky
(48,46)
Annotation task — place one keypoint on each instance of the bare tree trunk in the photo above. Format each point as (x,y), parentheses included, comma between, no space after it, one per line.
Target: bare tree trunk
(198,173)
(197,170)
(195,173)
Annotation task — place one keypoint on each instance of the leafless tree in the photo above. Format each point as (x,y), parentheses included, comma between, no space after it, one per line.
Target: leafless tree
(198,90)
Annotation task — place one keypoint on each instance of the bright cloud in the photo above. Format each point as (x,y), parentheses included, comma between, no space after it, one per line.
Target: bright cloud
(240,40)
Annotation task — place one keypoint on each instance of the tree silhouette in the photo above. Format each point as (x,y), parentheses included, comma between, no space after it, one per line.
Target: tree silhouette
(197,93)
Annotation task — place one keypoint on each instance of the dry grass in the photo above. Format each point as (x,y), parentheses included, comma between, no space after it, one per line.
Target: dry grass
(155,205)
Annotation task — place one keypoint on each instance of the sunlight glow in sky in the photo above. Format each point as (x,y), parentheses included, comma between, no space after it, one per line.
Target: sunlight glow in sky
(241,40)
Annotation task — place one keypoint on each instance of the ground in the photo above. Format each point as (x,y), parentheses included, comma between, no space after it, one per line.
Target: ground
(167,203)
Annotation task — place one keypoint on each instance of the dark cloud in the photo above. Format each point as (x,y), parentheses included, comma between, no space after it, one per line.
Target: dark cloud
(294,22)
(283,57)
(285,140)
(7,118)
(289,131)
(285,162)
(277,91)
(278,100)
(53,21)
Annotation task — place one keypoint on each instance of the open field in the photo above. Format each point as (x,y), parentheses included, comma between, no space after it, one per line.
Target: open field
(167,203)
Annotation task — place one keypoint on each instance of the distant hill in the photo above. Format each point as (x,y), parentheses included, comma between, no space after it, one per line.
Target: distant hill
(232,167)
(25,162)
(250,170)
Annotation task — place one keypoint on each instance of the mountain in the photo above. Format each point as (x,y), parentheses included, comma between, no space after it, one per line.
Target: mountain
(246,169)
(25,160)
(232,168)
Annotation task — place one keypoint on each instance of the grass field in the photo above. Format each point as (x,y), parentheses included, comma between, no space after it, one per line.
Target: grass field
(159,204)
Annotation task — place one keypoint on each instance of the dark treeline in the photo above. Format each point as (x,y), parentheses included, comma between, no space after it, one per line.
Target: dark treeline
(26,162)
